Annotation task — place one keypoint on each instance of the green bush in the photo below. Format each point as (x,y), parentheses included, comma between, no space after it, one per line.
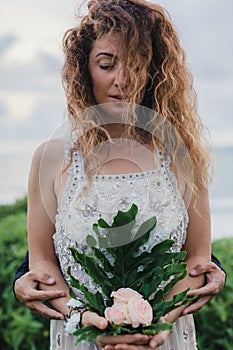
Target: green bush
(214,323)
(21,330)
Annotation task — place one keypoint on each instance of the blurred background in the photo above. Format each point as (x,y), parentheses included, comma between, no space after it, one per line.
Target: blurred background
(32,102)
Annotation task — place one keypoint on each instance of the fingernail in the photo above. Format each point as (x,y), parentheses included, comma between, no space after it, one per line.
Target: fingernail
(193,272)
(102,324)
(154,343)
(51,280)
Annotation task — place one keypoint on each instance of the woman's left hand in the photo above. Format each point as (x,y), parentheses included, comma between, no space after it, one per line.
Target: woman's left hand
(135,341)
(121,343)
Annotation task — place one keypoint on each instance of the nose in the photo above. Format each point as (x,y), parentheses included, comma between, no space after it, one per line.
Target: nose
(120,77)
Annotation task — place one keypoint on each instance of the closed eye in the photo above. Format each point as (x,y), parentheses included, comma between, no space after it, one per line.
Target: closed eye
(106,67)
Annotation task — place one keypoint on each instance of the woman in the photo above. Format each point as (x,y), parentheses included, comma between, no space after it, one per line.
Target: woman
(141,145)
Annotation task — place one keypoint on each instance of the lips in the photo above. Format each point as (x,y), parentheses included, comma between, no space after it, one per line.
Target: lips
(119,97)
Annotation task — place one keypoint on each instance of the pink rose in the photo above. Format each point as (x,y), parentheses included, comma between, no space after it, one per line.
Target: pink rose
(114,315)
(140,312)
(123,295)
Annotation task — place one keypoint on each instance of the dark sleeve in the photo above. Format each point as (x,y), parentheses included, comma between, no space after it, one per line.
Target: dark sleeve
(21,270)
(217,262)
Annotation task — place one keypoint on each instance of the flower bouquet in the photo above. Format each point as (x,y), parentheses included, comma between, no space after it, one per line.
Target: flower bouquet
(132,281)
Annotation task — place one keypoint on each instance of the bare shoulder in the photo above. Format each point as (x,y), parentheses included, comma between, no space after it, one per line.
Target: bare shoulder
(47,162)
(46,168)
(52,150)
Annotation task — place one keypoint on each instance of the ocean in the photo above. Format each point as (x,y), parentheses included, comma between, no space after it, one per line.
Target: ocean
(15,159)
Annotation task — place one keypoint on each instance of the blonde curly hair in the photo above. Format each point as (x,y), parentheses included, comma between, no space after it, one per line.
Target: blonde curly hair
(156,74)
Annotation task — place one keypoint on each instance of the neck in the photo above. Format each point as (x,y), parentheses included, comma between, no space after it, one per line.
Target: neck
(115,130)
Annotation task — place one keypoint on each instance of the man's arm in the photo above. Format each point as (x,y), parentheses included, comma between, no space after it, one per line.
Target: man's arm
(26,290)
(215,281)
(21,270)
(215,260)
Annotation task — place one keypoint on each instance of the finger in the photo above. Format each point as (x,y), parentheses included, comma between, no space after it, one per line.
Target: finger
(131,347)
(197,305)
(158,339)
(41,277)
(42,295)
(128,338)
(43,310)
(92,318)
(203,268)
(208,289)
(108,347)
(116,346)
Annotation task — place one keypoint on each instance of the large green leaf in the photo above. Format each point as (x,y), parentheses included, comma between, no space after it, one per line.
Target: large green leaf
(118,260)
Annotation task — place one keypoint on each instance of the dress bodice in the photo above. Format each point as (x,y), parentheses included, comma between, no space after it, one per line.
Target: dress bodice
(155,192)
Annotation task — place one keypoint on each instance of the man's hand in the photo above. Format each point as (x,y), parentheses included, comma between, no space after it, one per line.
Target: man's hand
(26,291)
(215,280)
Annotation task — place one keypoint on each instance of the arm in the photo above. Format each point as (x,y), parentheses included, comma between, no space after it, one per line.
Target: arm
(215,260)
(25,288)
(42,204)
(42,207)
(22,269)
(214,282)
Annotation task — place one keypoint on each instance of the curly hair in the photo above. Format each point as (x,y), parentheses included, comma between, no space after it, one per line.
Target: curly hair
(156,73)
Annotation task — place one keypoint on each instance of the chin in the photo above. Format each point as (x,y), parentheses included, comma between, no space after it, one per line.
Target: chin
(114,110)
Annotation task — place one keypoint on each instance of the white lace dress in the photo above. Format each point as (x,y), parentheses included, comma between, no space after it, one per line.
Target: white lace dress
(155,193)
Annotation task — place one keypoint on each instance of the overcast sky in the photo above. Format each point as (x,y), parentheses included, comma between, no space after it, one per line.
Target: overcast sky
(31,96)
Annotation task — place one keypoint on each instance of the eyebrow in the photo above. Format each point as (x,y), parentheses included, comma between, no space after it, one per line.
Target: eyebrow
(106,54)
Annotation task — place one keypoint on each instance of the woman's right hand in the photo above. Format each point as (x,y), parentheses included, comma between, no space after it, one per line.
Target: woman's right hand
(26,291)
(92,318)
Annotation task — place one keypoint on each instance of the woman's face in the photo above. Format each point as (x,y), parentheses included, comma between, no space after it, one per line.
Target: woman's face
(107,71)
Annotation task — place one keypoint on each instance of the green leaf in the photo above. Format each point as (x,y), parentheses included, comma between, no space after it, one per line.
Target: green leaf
(124,218)
(156,328)
(94,302)
(90,266)
(121,265)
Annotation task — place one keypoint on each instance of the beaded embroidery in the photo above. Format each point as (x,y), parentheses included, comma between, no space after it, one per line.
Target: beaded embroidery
(155,192)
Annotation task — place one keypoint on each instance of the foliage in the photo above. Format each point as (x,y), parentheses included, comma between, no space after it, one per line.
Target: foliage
(19,206)
(19,329)
(125,266)
(214,322)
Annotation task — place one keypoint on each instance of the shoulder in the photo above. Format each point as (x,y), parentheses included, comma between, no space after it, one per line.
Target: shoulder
(49,153)
(47,162)
(52,148)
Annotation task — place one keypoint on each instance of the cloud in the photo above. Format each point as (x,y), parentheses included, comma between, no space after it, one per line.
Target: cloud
(206,31)
(44,120)
(46,116)
(38,74)
(3,110)
(6,42)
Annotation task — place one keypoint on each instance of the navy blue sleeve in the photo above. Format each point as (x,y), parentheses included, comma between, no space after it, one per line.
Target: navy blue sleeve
(21,270)
(217,262)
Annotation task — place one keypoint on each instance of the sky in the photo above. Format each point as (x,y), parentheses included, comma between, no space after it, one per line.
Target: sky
(32,101)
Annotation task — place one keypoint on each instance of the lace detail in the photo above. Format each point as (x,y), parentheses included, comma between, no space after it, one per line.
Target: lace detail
(155,192)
